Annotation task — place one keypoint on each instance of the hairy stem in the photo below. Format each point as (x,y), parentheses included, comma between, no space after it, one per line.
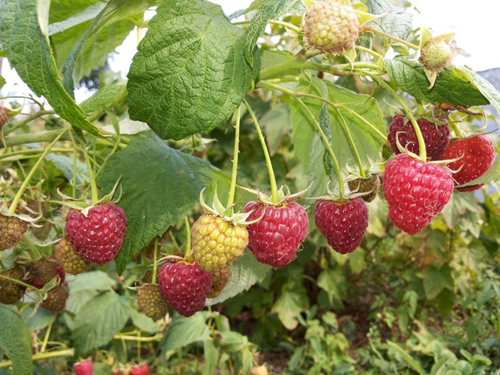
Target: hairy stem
(380,32)
(188,236)
(42,356)
(234,173)
(93,184)
(272,177)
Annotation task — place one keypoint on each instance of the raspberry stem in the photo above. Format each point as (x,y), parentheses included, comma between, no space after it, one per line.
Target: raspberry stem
(234,173)
(46,338)
(93,185)
(327,144)
(188,237)
(41,356)
(375,31)
(272,177)
(416,128)
(17,198)
(456,129)
(20,283)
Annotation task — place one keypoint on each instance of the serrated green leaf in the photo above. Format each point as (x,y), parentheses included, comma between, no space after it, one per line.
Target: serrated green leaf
(486,88)
(331,282)
(143,322)
(272,9)
(453,86)
(435,280)
(394,21)
(15,340)
(210,356)
(94,280)
(65,165)
(40,320)
(104,98)
(99,320)
(86,14)
(159,186)
(289,304)
(184,331)
(29,52)
(190,73)
(245,272)
(413,363)
(276,123)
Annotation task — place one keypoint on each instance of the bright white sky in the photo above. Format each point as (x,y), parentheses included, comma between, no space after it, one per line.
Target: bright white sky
(475,26)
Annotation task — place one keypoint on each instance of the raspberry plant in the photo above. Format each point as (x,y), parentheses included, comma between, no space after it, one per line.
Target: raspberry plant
(287,116)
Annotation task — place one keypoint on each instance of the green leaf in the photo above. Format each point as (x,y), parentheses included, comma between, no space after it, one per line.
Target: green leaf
(413,363)
(15,340)
(245,272)
(190,73)
(233,342)
(65,165)
(486,88)
(453,86)
(184,331)
(40,320)
(394,21)
(435,280)
(297,7)
(29,52)
(159,186)
(104,98)
(88,13)
(290,303)
(272,9)
(143,322)
(99,320)
(210,356)
(93,280)
(331,281)
(276,123)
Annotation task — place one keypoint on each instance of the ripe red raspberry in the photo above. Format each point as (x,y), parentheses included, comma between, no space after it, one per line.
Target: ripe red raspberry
(10,291)
(476,157)
(184,286)
(44,270)
(84,367)
(69,259)
(276,237)
(343,223)
(415,191)
(364,185)
(217,243)
(436,137)
(219,281)
(11,231)
(56,298)
(151,302)
(98,236)
(140,370)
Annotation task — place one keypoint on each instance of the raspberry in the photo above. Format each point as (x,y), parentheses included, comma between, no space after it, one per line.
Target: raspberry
(276,237)
(436,137)
(437,54)
(476,157)
(415,191)
(99,236)
(4,116)
(219,281)
(217,243)
(151,302)
(364,185)
(69,259)
(343,223)
(56,298)
(44,270)
(10,291)
(259,370)
(331,27)
(184,286)
(11,231)
(84,367)
(140,370)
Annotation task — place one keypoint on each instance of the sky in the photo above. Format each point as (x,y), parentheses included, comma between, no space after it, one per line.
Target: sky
(475,28)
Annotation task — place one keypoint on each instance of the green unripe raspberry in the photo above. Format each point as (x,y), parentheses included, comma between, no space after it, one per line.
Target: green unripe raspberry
(71,261)
(331,26)
(219,281)
(10,291)
(364,185)
(56,298)
(217,243)
(151,302)
(437,54)
(11,231)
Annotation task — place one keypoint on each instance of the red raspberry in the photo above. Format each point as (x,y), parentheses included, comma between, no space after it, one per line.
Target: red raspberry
(476,157)
(84,367)
(436,137)
(184,286)
(140,370)
(275,239)
(98,236)
(43,271)
(343,223)
(415,191)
